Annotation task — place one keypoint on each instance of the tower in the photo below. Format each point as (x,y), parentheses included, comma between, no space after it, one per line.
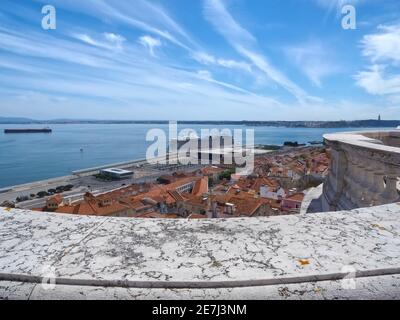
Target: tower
(379,118)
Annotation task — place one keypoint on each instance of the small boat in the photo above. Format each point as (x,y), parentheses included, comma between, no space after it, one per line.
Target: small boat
(316,142)
(43,130)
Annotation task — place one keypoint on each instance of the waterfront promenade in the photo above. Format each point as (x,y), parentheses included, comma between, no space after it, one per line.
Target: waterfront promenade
(84,181)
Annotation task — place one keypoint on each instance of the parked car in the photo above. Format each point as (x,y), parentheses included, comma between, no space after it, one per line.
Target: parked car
(68,187)
(22,198)
(42,194)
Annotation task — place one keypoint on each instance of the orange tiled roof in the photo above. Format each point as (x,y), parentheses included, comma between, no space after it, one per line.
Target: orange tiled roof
(197,216)
(176,195)
(57,199)
(196,200)
(93,208)
(244,204)
(200,187)
(298,197)
(211,170)
(165,193)
(264,182)
(276,204)
(132,198)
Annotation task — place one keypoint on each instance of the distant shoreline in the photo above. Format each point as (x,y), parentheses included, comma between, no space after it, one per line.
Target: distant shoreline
(286,124)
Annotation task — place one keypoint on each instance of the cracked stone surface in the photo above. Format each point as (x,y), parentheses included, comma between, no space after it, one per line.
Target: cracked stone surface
(15,290)
(381,288)
(198,251)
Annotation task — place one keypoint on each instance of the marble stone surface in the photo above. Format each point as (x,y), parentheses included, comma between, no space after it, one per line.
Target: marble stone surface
(377,288)
(11,290)
(101,257)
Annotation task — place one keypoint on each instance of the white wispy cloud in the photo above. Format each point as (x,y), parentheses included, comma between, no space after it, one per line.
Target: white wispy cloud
(150,43)
(207,59)
(314,60)
(86,38)
(115,39)
(144,15)
(42,46)
(381,76)
(108,40)
(232,64)
(207,75)
(203,58)
(377,81)
(337,5)
(75,76)
(204,74)
(246,45)
(147,17)
(384,45)
(152,18)
(79,69)
(334,7)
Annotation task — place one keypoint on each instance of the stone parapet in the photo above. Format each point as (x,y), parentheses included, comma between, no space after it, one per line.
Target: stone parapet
(257,258)
(364,170)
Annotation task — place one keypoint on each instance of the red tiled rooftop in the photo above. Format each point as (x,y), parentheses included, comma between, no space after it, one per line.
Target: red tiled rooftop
(57,199)
(200,187)
(197,216)
(299,197)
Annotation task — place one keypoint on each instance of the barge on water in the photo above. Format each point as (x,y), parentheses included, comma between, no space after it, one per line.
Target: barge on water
(44,130)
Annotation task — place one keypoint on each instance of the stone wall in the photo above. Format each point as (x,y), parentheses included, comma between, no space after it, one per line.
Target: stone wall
(364,170)
(284,257)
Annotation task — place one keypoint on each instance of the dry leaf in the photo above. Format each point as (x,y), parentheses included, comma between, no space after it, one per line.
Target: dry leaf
(304,262)
(378,227)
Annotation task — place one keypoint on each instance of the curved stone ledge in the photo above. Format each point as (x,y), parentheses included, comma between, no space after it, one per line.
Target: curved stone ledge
(365,168)
(106,254)
(371,140)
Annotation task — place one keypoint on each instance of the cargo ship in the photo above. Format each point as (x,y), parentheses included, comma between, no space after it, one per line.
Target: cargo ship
(44,130)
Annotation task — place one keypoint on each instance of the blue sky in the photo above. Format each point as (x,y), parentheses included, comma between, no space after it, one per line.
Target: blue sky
(200,60)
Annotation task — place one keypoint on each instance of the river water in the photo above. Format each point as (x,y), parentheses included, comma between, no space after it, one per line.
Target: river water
(30,157)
